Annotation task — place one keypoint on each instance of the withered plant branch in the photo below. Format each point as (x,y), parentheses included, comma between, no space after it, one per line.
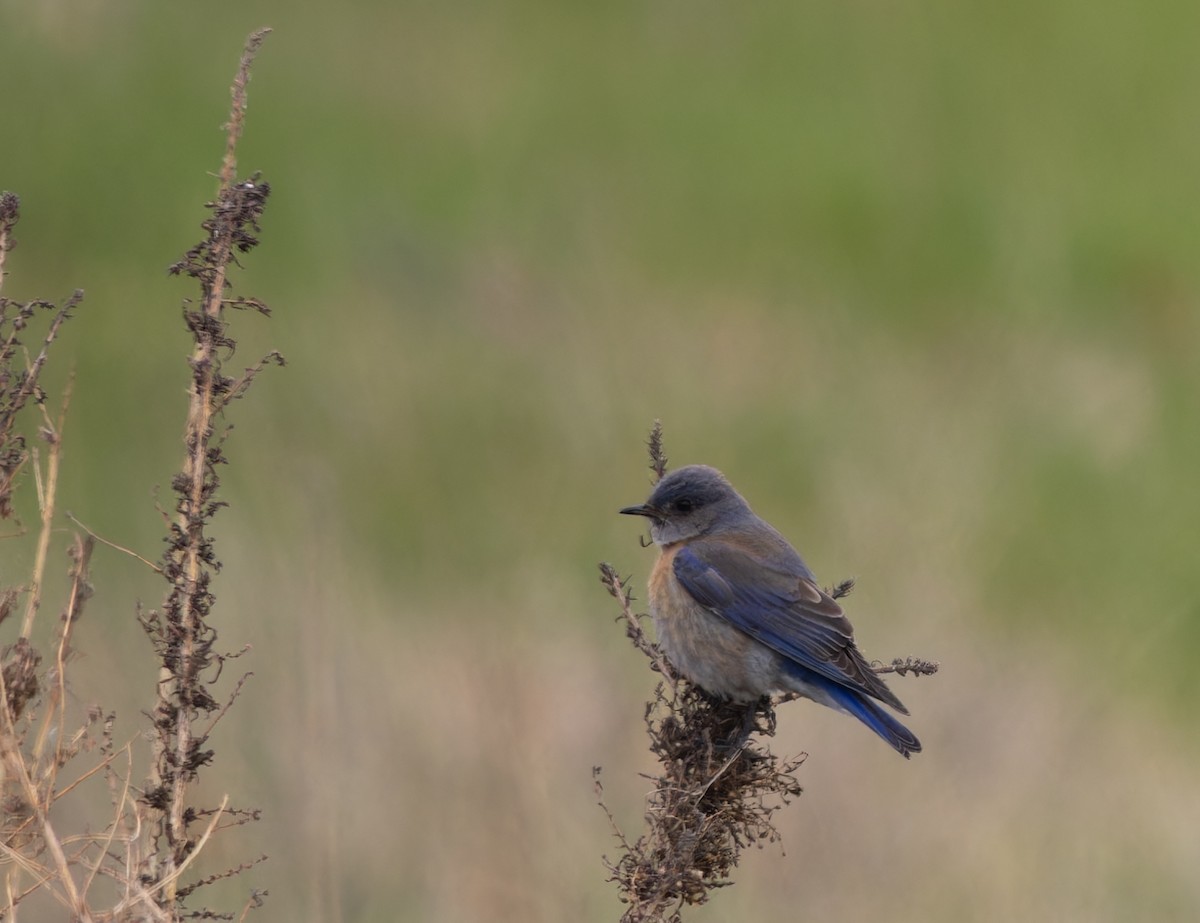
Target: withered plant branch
(113,545)
(35,367)
(19,685)
(81,555)
(129,874)
(240,385)
(182,635)
(118,821)
(246,303)
(658,456)
(35,870)
(255,901)
(81,587)
(10,214)
(27,382)
(8,598)
(40,875)
(237,690)
(122,781)
(14,765)
(221,876)
(171,882)
(715,792)
(842,589)
(19,385)
(634,631)
(902,666)
(237,111)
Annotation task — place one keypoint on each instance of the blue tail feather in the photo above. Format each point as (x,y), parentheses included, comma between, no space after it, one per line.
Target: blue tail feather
(873,716)
(858,704)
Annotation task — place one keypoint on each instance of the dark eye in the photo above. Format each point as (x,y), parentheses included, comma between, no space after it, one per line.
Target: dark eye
(684,505)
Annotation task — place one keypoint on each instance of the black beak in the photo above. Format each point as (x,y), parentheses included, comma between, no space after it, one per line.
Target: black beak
(644,510)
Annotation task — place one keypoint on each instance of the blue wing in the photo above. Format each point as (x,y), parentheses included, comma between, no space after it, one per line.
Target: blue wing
(780,606)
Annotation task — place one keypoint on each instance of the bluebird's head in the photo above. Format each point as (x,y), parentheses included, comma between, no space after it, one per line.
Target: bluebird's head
(689,502)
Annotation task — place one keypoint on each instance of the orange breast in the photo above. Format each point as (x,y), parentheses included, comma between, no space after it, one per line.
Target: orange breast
(702,645)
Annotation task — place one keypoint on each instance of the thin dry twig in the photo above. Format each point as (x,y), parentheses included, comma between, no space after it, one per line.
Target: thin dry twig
(618,588)
(113,545)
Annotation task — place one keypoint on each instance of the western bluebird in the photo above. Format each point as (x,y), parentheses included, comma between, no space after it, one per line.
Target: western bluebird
(739,613)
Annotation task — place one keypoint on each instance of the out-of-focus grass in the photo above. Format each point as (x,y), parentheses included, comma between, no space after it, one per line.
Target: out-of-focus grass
(921,280)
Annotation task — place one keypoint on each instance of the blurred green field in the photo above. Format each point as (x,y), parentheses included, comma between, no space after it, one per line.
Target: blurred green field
(922,279)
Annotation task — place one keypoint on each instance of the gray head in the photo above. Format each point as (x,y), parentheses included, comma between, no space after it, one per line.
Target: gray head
(691,501)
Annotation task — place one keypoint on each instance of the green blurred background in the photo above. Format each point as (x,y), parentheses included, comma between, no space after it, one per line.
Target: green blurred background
(921,278)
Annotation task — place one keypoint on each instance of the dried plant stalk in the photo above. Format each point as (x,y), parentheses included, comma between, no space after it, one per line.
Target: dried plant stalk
(183,638)
(716,792)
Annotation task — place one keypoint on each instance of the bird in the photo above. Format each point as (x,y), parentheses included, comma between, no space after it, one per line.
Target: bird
(738,612)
